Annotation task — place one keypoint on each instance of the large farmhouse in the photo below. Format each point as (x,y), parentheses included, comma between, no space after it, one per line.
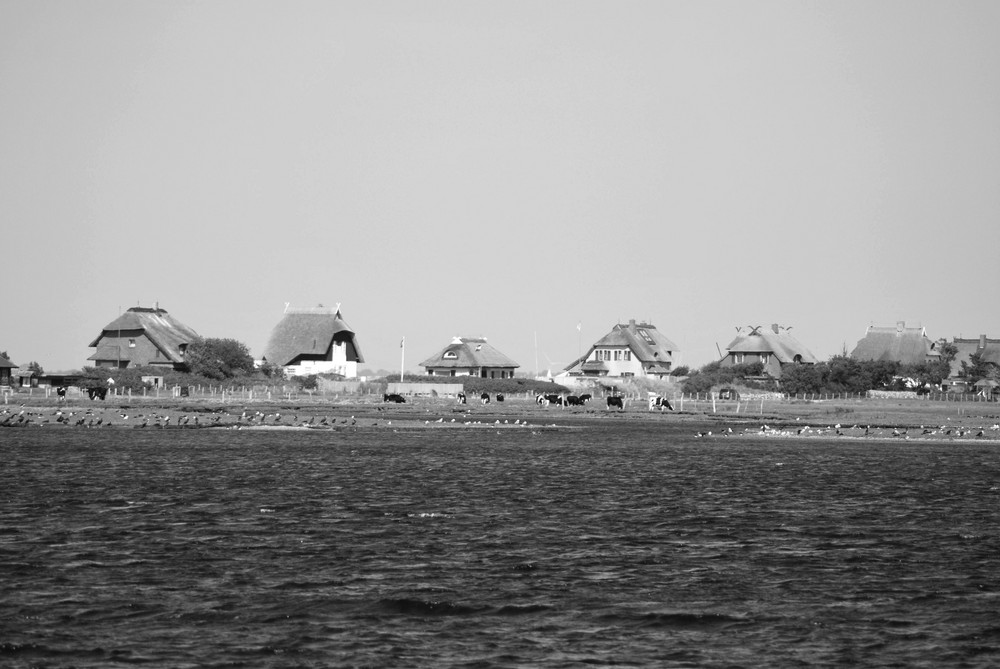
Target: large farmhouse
(898,344)
(470,356)
(774,348)
(314,341)
(636,349)
(143,337)
(986,349)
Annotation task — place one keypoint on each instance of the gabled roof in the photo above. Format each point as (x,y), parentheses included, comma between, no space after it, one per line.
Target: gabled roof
(465,352)
(988,348)
(898,343)
(775,341)
(165,331)
(310,331)
(648,345)
(4,362)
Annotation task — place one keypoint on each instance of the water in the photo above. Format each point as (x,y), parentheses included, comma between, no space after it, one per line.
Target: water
(601,546)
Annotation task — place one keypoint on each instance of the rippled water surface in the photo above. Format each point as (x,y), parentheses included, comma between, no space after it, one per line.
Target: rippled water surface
(624,546)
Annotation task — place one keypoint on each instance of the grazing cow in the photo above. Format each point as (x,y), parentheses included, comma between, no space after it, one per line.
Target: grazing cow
(616,401)
(660,403)
(573,401)
(461,398)
(586,397)
(96,392)
(500,397)
(393,397)
(485,398)
(554,399)
(540,399)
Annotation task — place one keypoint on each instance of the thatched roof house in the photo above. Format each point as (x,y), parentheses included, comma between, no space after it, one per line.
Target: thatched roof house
(314,340)
(635,349)
(774,348)
(470,356)
(5,370)
(143,337)
(899,344)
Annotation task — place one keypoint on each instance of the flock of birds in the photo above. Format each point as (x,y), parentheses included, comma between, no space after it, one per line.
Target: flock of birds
(862,431)
(248,418)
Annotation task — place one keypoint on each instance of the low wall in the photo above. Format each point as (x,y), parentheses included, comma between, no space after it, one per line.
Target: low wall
(445,389)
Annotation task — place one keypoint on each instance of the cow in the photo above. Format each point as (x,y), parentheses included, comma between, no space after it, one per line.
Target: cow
(573,401)
(96,392)
(660,403)
(61,392)
(540,399)
(554,399)
(500,397)
(586,397)
(461,398)
(616,401)
(485,398)
(393,397)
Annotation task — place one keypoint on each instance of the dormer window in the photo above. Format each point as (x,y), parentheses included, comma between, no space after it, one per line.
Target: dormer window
(131,343)
(450,355)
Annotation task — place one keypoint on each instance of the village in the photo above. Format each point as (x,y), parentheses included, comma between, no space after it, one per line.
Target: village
(316,347)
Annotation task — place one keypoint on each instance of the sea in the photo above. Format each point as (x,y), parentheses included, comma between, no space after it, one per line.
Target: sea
(590,546)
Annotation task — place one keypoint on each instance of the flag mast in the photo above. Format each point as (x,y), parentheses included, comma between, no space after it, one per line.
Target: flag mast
(402,357)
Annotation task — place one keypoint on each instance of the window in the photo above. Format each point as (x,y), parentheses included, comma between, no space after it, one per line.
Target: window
(618,356)
(628,354)
(131,343)
(450,355)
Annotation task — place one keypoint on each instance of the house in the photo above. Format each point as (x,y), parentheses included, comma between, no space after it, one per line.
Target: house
(774,348)
(988,351)
(636,349)
(470,356)
(314,340)
(5,371)
(143,337)
(901,344)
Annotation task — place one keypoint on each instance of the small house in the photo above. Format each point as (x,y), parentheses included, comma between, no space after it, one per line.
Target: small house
(6,371)
(773,347)
(470,356)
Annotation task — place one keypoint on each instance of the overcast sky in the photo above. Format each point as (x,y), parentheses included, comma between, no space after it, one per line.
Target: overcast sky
(499,169)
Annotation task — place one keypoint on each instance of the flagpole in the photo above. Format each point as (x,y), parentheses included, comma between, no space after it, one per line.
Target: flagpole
(402,357)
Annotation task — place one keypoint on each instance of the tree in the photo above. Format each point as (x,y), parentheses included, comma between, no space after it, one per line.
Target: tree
(977,368)
(36,368)
(797,379)
(218,358)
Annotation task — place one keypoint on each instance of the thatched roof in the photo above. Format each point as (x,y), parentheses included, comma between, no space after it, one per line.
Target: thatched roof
(4,362)
(897,343)
(648,345)
(467,352)
(310,332)
(775,341)
(165,331)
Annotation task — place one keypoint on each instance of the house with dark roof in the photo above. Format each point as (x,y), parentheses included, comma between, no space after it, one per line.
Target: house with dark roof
(5,371)
(314,340)
(773,347)
(635,349)
(909,346)
(987,349)
(470,356)
(143,337)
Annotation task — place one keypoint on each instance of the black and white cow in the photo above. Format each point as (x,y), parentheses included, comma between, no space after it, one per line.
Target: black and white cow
(61,392)
(500,397)
(660,403)
(617,402)
(461,398)
(96,392)
(586,397)
(393,397)
(573,401)
(485,398)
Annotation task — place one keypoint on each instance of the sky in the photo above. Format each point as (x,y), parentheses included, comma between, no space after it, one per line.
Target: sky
(530,172)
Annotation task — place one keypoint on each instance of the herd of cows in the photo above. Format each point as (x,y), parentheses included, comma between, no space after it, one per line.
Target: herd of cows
(613,401)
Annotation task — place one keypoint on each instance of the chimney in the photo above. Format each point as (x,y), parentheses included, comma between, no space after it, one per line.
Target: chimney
(631,324)
(982,342)
(774,328)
